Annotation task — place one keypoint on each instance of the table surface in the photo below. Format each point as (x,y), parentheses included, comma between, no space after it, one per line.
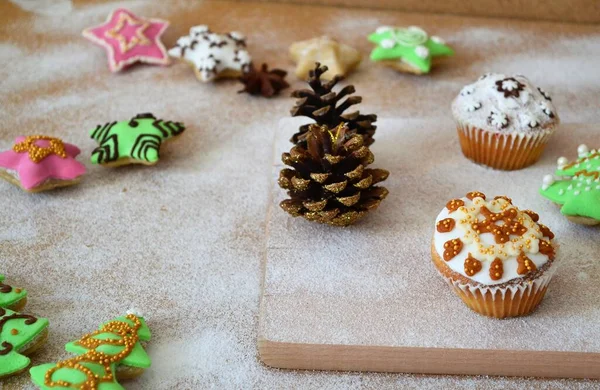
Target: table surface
(183,241)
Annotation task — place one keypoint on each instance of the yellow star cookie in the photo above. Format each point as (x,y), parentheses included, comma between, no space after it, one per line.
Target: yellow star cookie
(339,58)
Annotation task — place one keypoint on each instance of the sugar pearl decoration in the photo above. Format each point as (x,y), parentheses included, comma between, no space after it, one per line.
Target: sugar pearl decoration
(582,150)
(562,161)
(388,43)
(438,40)
(548,181)
(422,51)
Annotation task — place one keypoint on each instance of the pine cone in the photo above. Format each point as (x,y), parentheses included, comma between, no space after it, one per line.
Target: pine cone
(321,104)
(329,182)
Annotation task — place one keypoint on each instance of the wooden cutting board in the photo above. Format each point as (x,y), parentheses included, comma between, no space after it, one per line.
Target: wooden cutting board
(368,298)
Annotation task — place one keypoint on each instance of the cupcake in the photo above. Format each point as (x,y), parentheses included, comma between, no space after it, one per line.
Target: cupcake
(576,187)
(498,259)
(504,122)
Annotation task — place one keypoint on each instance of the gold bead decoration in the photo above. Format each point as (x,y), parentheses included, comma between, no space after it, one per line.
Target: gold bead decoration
(38,153)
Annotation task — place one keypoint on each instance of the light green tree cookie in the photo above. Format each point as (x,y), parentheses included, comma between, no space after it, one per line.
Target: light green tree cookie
(410,48)
(20,335)
(12,298)
(111,353)
(577,188)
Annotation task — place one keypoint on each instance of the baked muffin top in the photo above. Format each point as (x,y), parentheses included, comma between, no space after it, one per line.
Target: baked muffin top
(506,104)
(491,241)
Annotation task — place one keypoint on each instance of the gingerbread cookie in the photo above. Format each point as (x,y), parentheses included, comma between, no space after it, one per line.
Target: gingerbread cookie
(12,298)
(576,187)
(20,336)
(112,353)
(213,55)
(409,49)
(38,163)
(136,141)
(129,39)
(340,59)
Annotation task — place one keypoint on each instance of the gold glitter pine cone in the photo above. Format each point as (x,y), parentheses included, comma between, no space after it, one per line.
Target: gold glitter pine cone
(329,182)
(327,107)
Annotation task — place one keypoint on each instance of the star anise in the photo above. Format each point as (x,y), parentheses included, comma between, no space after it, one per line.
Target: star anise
(263,81)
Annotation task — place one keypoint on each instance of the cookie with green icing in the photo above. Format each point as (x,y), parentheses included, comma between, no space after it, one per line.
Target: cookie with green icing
(112,353)
(575,186)
(409,49)
(20,336)
(12,298)
(136,141)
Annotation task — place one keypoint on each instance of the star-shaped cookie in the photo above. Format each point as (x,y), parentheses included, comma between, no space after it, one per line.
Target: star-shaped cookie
(128,39)
(38,163)
(136,141)
(409,49)
(213,55)
(339,58)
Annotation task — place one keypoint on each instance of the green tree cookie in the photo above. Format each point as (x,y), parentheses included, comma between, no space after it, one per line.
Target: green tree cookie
(136,141)
(20,334)
(111,353)
(409,45)
(577,188)
(11,297)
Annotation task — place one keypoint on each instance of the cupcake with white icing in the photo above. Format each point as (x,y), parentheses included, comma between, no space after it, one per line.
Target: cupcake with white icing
(504,122)
(498,259)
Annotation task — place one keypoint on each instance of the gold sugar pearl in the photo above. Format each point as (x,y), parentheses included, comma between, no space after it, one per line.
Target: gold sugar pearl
(38,153)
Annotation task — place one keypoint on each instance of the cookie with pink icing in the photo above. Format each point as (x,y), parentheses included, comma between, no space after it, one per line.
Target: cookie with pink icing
(128,39)
(38,163)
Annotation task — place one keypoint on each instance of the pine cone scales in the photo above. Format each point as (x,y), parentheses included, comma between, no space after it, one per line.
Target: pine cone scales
(329,182)
(326,107)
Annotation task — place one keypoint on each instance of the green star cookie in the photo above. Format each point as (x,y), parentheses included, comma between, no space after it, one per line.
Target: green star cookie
(111,353)
(407,49)
(20,335)
(11,297)
(136,141)
(577,188)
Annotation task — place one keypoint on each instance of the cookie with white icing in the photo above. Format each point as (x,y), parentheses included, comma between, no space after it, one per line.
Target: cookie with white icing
(213,55)
(498,259)
(504,122)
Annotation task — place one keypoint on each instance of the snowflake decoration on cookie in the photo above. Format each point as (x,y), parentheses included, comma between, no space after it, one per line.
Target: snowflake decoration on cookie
(510,87)
(410,46)
(544,94)
(213,55)
(498,119)
(128,39)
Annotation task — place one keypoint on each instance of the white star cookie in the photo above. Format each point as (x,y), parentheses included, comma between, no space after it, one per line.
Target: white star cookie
(213,55)
(339,58)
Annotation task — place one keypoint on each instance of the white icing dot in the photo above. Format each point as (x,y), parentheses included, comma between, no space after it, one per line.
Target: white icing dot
(576,192)
(588,189)
(548,179)
(388,43)
(570,187)
(422,51)
(582,150)
(561,192)
(383,29)
(562,161)
(438,40)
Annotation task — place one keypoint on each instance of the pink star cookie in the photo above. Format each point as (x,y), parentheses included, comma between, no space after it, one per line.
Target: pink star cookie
(129,39)
(37,163)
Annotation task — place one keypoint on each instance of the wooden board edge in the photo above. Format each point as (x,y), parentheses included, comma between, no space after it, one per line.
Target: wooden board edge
(420,360)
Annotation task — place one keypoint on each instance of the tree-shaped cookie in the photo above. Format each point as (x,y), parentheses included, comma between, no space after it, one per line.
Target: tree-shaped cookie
(136,141)
(20,336)
(577,187)
(12,298)
(329,181)
(327,107)
(107,355)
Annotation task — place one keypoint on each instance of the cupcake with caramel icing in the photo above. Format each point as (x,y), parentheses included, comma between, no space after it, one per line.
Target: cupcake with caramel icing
(498,259)
(504,122)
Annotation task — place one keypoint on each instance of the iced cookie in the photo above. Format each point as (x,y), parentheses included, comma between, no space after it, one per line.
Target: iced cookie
(39,163)
(136,141)
(504,122)
(213,55)
(340,59)
(576,187)
(409,50)
(129,39)
(498,259)
(20,336)
(112,353)
(12,298)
